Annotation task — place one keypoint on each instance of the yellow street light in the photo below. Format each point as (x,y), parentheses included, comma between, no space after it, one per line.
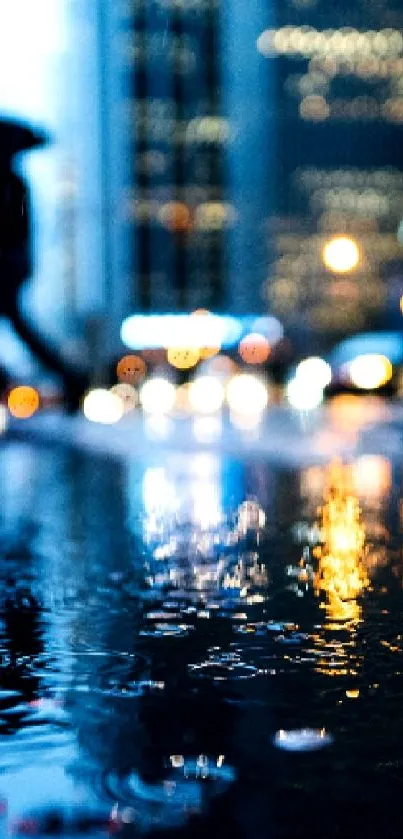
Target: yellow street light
(341,254)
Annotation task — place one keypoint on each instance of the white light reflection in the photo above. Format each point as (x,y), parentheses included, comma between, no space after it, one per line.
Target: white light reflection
(251,517)
(158,492)
(160,505)
(207,429)
(303,739)
(205,464)
(195,550)
(158,426)
(246,423)
(207,509)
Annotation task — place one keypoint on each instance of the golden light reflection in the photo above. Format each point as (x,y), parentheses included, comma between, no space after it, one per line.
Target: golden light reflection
(349,413)
(341,574)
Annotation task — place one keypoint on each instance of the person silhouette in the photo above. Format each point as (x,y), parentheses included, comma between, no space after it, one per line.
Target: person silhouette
(16,259)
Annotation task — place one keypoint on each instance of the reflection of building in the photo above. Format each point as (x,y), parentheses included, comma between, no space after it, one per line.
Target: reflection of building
(192,544)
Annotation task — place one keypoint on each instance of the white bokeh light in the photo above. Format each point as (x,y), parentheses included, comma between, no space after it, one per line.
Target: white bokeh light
(314,369)
(247,395)
(100,405)
(341,254)
(304,396)
(157,396)
(370,371)
(206,395)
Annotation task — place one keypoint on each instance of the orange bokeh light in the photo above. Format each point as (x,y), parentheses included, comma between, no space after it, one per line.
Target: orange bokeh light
(176,216)
(131,369)
(254,348)
(23,401)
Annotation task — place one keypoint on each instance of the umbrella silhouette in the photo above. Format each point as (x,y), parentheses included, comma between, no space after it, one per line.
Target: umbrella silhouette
(16,256)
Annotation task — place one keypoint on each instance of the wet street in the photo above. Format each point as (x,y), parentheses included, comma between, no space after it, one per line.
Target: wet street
(199,643)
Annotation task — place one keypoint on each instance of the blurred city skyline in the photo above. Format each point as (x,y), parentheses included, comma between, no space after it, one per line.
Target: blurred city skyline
(203,155)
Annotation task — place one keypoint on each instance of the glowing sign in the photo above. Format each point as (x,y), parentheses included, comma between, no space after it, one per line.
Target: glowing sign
(184,330)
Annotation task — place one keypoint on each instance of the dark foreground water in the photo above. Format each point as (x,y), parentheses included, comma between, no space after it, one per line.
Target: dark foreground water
(189,646)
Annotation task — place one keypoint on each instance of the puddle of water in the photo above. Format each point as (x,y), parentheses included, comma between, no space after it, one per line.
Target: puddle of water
(166,637)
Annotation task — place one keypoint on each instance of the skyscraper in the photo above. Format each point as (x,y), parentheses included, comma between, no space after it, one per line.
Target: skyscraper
(339,122)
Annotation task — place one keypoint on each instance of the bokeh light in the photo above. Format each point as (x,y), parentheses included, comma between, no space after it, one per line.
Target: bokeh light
(341,254)
(314,369)
(183,358)
(182,405)
(247,395)
(3,418)
(208,352)
(371,476)
(348,413)
(157,396)
(304,395)
(175,216)
(254,348)
(206,394)
(127,394)
(222,366)
(144,332)
(270,327)
(103,406)
(211,349)
(23,401)
(131,369)
(370,371)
